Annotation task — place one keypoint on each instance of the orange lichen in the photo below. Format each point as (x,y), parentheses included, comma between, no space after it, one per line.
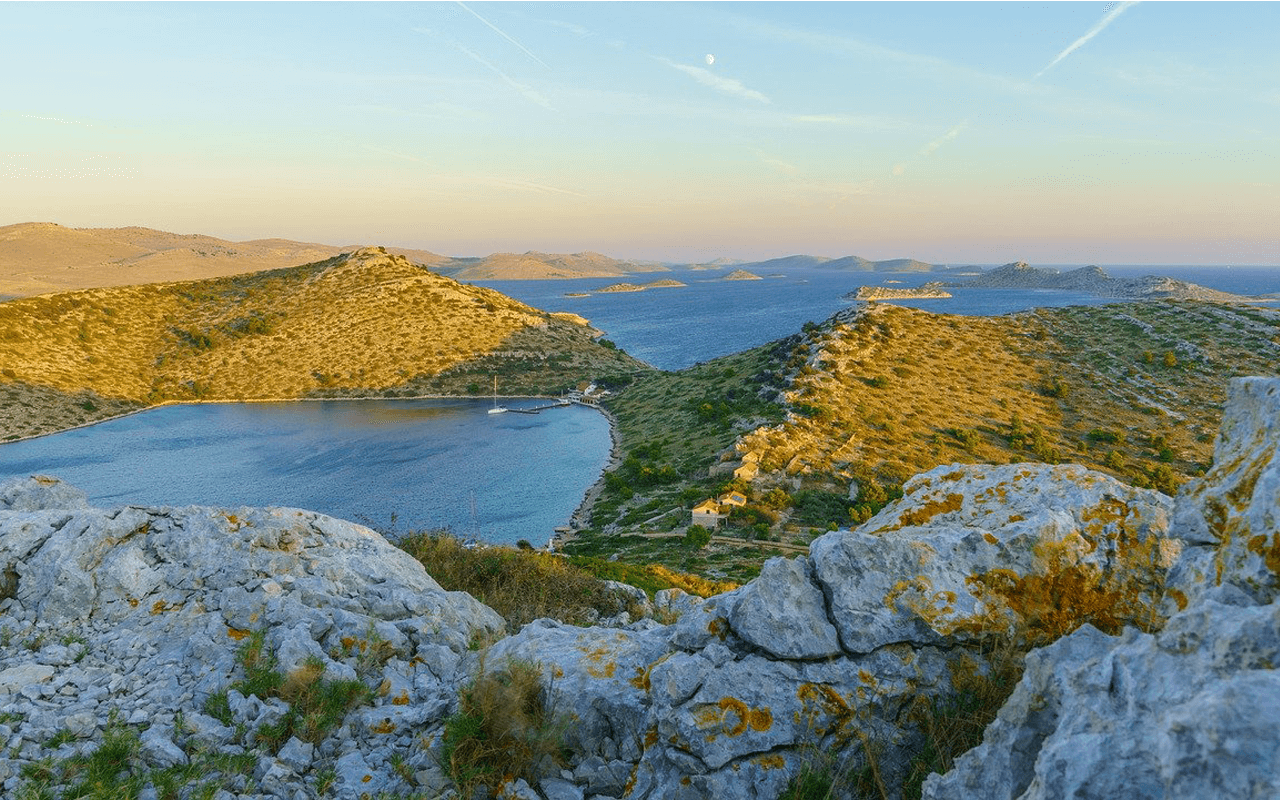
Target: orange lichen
(237,634)
(599,662)
(401,699)
(1179,598)
(384,727)
(931,509)
(991,538)
(1268,548)
(771,761)
(641,679)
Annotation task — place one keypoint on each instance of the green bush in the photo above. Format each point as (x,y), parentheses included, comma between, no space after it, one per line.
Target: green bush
(504,728)
(697,537)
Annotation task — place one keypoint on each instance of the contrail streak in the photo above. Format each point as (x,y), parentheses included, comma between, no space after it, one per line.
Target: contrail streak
(1106,20)
(498,31)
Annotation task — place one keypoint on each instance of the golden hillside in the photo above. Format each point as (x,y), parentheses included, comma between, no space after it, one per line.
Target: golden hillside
(43,257)
(1134,389)
(364,324)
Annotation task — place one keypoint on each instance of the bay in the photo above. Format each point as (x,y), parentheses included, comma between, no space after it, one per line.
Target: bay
(397,465)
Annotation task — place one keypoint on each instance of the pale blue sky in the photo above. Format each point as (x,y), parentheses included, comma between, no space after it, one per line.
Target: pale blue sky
(932,130)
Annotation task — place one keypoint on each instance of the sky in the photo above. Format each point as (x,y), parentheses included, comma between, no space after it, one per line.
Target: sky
(1055,133)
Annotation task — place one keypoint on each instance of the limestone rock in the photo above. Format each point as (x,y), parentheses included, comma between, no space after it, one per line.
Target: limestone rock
(40,492)
(783,612)
(1230,518)
(1188,712)
(971,549)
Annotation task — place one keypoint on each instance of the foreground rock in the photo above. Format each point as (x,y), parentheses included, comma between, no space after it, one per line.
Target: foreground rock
(136,615)
(819,652)
(1188,712)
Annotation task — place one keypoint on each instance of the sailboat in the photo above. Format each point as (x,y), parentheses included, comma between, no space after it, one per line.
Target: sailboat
(497,409)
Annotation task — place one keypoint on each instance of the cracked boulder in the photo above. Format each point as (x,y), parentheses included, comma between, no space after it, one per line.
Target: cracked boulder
(1190,711)
(972,550)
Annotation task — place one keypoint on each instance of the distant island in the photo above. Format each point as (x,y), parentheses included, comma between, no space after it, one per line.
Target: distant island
(665,283)
(933,290)
(1093,280)
(741,275)
(848,263)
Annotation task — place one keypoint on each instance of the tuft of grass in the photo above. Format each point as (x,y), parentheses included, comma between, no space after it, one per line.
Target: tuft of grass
(953,724)
(504,729)
(110,772)
(317,705)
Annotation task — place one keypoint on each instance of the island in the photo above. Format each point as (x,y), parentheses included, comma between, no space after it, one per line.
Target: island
(741,275)
(1093,280)
(933,290)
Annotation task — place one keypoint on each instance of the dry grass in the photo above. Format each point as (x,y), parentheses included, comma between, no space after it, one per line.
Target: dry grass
(900,391)
(504,729)
(521,585)
(362,325)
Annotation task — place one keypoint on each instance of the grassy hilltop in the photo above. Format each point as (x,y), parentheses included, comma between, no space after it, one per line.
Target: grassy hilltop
(879,393)
(365,324)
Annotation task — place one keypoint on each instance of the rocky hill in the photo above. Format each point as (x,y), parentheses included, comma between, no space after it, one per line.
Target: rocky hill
(188,650)
(1093,280)
(363,324)
(43,257)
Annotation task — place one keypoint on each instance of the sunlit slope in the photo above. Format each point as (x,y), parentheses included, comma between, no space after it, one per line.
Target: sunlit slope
(362,324)
(1134,389)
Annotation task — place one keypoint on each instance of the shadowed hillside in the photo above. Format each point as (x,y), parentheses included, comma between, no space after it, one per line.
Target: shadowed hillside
(358,325)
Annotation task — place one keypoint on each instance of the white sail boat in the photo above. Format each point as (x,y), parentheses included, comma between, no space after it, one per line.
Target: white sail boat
(497,409)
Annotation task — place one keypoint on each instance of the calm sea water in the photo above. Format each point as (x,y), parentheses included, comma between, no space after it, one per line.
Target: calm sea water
(447,463)
(674,328)
(405,464)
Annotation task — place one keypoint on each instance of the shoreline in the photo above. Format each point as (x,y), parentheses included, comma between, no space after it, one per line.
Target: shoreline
(581,516)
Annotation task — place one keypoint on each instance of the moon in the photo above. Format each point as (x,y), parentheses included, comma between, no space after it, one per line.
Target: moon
(710,59)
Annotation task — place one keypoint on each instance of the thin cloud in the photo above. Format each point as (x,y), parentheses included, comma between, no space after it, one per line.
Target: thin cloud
(925,64)
(501,33)
(1106,20)
(541,188)
(530,94)
(929,148)
(865,121)
(729,86)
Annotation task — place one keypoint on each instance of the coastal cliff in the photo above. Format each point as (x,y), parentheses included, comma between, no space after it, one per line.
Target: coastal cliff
(135,622)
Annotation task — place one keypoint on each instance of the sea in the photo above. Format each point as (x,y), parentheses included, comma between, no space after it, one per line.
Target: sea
(402,465)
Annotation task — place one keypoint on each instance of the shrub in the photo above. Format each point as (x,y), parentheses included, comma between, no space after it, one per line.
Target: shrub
(316,705)
(520,585)
(504,728)
(697,537)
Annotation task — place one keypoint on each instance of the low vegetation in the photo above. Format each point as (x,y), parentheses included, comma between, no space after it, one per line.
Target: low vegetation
(525,584)
(505,728)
